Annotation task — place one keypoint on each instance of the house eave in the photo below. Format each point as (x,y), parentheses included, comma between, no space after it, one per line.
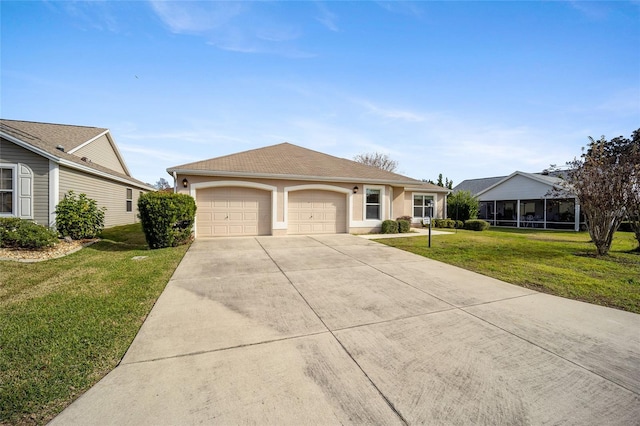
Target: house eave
(71,164)
(216,173)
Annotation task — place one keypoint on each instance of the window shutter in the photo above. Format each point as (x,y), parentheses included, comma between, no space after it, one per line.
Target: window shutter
(25,192)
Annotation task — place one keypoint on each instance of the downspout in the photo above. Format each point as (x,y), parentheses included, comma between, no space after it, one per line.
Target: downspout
(175,182)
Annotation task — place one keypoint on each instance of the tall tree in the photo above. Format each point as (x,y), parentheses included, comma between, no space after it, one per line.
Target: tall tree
(604,179)
(377,159)
(447,183)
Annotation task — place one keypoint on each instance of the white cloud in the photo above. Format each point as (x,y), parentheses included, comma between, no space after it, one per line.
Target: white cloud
(389,113)
(327,18)
(234,26)
(196,17)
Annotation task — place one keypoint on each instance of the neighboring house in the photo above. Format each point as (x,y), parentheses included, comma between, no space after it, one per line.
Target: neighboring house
(524,200)
(41,162)
(285,189)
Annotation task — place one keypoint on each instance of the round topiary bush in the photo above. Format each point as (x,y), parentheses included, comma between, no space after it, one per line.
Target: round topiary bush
(476,225)
(78,217)
(404,226)
(167,218)
(389,227)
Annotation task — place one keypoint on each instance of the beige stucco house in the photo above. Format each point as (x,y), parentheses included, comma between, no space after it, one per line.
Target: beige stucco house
(286,189)
(41,162)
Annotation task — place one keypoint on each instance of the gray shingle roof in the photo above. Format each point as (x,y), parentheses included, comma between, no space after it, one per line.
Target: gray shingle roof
(288,161)
(47,136)
(477,185)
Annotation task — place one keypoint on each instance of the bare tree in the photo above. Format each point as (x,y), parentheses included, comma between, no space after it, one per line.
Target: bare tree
(603,180)
(162,184)
(377,159)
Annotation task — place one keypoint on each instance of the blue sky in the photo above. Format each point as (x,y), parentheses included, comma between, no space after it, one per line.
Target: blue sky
(467,89)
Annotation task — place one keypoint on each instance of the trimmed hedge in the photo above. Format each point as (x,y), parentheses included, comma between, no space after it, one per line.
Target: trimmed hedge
(78,217)
(22,233)
(476,225)
(404,226)
(167,218)
(389,227)
(444,223)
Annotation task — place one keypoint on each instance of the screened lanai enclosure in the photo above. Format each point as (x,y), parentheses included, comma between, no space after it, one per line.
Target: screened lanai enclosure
(525,200)
(542,214)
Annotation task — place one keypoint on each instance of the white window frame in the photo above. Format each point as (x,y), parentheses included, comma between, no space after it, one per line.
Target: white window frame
(423,194)
(14,189)
(380,188)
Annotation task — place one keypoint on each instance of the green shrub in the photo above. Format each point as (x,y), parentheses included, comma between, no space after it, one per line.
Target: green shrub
(459,224)
(167,218)
(389,227)
(409,218)
(404,226)
(78,217)
(444,223)
(476,225)
(462,205)
(21,233)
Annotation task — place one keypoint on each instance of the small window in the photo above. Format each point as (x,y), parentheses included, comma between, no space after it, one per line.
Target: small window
(129,200)
(6,190)
(372,206)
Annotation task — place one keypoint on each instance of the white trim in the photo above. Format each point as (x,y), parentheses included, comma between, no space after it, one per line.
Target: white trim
(383,191)
(242,184)
(83,144)
(54,191)
(336,179)
(114,146)
(25,173)
(71,164)
(320,187)
(424,194)
(14,189)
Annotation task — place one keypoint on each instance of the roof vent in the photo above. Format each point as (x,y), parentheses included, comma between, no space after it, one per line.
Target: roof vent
(60,148)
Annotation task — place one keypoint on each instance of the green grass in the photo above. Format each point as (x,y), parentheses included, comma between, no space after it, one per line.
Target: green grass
(560,263)
(67,322)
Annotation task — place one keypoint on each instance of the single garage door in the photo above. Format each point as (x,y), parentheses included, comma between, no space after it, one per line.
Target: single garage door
(317,212)
(232,211)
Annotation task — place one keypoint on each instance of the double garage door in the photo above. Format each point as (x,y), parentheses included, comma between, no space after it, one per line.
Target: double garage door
(234,211)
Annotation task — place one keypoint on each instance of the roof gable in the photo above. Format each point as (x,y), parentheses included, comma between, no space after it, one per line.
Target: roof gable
(290,161)
(46,138)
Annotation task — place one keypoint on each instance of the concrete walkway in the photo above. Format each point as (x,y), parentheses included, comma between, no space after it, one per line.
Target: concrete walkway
(338,329)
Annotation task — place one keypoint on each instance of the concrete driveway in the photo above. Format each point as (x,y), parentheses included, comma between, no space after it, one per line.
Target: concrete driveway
(338,329)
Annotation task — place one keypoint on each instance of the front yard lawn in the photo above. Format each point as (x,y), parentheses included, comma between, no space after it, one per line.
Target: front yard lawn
(67,322)
(560,263)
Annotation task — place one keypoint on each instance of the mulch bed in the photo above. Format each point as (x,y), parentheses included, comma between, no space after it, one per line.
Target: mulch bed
(61,249)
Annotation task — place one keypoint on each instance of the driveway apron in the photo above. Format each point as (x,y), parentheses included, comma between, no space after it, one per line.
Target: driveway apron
(337,329)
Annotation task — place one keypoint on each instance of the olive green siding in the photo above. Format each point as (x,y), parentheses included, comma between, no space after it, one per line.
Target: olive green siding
(108,193)
(101,152)
(14,154)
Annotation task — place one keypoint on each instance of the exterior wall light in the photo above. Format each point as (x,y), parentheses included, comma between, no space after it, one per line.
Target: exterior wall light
(355,189)
(185,182)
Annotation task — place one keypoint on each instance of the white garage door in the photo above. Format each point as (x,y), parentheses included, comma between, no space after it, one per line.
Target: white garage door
(231,211)
(317,212)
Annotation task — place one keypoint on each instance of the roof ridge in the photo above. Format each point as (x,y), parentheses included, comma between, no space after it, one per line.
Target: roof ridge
(52,124)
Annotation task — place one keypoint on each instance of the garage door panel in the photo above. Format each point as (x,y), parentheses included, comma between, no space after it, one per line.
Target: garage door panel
(233,212)
(316,212)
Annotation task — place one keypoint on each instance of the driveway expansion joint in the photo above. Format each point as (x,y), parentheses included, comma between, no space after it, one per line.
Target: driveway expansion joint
(549,351)
(228,348)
